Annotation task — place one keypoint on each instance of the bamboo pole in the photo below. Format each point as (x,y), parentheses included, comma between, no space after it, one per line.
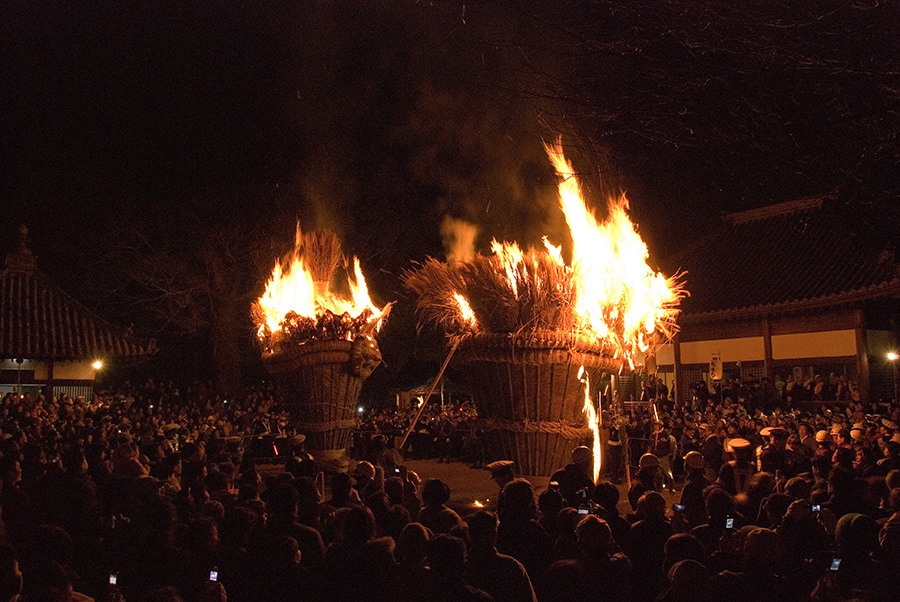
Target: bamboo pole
(434,384)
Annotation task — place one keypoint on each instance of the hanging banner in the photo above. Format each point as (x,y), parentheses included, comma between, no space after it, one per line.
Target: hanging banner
(715,367)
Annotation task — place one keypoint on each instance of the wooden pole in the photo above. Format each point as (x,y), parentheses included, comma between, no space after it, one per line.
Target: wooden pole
(434,384)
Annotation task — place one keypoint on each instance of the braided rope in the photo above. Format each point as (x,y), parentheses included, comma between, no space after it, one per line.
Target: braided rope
(319,427)
(537,347)
(567,430)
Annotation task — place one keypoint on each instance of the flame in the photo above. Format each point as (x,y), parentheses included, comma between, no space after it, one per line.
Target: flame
(292,288)
(606,296)
(593,420)
(618,298)
(465,310)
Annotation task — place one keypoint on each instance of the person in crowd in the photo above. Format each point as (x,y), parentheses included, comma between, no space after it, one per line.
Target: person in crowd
(447,559)
(412,561)
(435,514)
(646,545)
(112,486)
(282,519)
(734,475)
(606,496)
(502,576)
(647,479)
(664,449)
(501,473)
(519,534)
(575,480)
(695,483)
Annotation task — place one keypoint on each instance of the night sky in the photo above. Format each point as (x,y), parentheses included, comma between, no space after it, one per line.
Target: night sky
(185,140)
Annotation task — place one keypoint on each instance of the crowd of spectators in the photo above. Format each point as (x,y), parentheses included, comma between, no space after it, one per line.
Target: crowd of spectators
(149,487)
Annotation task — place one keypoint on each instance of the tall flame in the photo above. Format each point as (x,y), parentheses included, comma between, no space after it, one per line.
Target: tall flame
(294,287)
(618,297)
(593,420)
(607,296)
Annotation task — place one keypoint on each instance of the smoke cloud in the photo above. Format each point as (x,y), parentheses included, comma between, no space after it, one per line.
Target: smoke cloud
(459,239)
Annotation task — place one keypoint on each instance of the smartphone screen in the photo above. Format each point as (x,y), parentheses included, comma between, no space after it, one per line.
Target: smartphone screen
(835,564)
(584,511)
(214,575)
(113,578)
(816,508)
(729,523)
(678,507)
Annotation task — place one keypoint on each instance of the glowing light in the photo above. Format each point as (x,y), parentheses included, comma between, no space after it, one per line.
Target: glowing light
(593,420)
(892,356)
(618,298)
(478,504)
(296,287)
(97,364)
(465,310)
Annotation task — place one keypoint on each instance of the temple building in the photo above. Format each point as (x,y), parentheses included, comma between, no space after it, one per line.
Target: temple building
(788,291)
(50,343)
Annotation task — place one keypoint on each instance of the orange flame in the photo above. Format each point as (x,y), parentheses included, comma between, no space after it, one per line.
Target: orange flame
(465,310)
(292,288)
(618,297)
(593,420)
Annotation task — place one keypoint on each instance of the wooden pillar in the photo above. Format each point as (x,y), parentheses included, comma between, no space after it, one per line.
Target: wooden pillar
(48,393)
(679,385)
(767,350)
(864,379)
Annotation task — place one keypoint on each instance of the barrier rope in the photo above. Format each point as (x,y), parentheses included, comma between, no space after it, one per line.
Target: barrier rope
(567,430)
(319,427)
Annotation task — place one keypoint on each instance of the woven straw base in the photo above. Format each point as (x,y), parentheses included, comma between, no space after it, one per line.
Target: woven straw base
(530,400)
(320,382)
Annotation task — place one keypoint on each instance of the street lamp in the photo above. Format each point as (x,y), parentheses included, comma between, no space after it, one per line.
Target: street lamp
(892,357)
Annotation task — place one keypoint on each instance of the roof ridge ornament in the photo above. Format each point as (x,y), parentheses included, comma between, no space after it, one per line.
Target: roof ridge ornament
(22,260)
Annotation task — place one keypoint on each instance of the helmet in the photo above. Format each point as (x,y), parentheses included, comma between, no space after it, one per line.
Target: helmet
(694,459)
(364,469)
(648,460)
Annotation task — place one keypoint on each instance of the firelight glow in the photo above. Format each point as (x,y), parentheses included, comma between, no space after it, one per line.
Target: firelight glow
(615,298)
(291,288)
(593,420)
(618,297)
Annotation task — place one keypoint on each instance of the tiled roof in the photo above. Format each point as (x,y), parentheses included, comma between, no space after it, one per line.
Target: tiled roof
(789,256)
(40,321)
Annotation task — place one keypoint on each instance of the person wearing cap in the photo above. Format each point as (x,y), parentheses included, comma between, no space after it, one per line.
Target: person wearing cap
(695,482)
(646,479)
(501,472)
(712,450)
(824,444)
(301,462)
(576,476)
(734,475)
